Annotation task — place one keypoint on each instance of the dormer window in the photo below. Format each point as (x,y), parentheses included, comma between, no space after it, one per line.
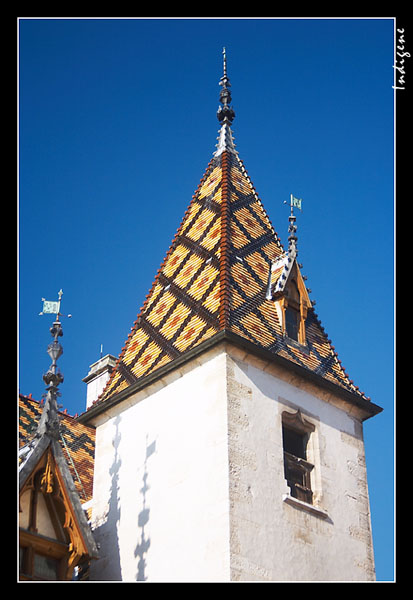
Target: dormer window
(294,306)
(287,289)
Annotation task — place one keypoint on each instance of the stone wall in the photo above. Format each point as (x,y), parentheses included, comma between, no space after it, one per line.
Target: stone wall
(275,537)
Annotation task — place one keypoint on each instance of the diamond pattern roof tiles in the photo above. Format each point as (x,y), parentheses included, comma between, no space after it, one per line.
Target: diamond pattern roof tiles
(214,278)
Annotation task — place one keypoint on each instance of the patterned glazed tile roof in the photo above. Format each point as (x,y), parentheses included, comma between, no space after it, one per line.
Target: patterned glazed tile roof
(214,278)
(78,443)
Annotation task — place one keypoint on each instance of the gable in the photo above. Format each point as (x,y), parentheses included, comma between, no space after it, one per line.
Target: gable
(77,442)
(50,532)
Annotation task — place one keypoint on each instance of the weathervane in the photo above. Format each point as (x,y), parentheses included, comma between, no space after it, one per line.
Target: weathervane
(292,228)
(294,203)
(52,307)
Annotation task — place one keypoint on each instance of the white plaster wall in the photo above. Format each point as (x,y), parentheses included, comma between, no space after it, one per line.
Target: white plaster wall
(160,507)
(189,480)
(272,540)
(44,523)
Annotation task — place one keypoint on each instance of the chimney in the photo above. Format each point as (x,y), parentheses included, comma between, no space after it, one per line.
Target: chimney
(97,377)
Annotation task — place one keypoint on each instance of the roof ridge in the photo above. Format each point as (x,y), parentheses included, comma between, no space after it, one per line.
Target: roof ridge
(224,267)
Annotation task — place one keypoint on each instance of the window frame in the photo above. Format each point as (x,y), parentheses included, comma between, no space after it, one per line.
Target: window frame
(297,469)
(31,544)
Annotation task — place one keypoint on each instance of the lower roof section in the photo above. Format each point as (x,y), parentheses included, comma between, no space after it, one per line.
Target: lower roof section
(366,408)
(77,442)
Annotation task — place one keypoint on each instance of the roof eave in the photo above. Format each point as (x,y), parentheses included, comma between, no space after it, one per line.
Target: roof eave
(367,408)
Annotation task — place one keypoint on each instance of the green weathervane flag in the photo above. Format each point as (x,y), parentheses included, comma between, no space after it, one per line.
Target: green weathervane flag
(295,202)
(51,307)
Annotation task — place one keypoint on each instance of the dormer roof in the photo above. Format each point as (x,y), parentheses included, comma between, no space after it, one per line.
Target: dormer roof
(77,442)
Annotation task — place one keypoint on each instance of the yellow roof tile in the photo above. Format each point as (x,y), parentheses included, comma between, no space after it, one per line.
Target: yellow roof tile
(190,332)
(201,223)
(160,309)
(210,183)
(203,281)
(174,322)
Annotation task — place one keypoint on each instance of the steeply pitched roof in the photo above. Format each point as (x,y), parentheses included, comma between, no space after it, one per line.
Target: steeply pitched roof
(77,442)
(215,278)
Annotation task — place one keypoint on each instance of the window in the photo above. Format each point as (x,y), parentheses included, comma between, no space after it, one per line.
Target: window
(297,470)
(293,308)
(292,323)
(45,567)
(294,442)
(293,291)
(41,558)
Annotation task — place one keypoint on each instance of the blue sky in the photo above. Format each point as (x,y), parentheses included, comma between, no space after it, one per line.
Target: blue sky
(117,123)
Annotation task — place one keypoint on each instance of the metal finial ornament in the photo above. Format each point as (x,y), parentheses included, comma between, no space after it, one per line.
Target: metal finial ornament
(224,65)
(53,377)
(225,112)
(49,421)
(285,261)
(292,228)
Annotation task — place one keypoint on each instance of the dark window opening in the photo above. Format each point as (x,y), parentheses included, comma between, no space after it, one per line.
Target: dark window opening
(296,468)
(294,442)
(291,323)
(293,291)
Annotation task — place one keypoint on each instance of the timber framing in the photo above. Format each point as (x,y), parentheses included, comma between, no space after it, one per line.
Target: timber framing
(44,472)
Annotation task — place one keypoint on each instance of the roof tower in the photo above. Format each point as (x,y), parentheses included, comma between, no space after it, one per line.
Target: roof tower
(226,276)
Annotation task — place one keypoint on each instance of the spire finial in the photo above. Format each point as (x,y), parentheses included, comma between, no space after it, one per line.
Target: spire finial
(49,420)
(292,228)
(225,112)
(224,54)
